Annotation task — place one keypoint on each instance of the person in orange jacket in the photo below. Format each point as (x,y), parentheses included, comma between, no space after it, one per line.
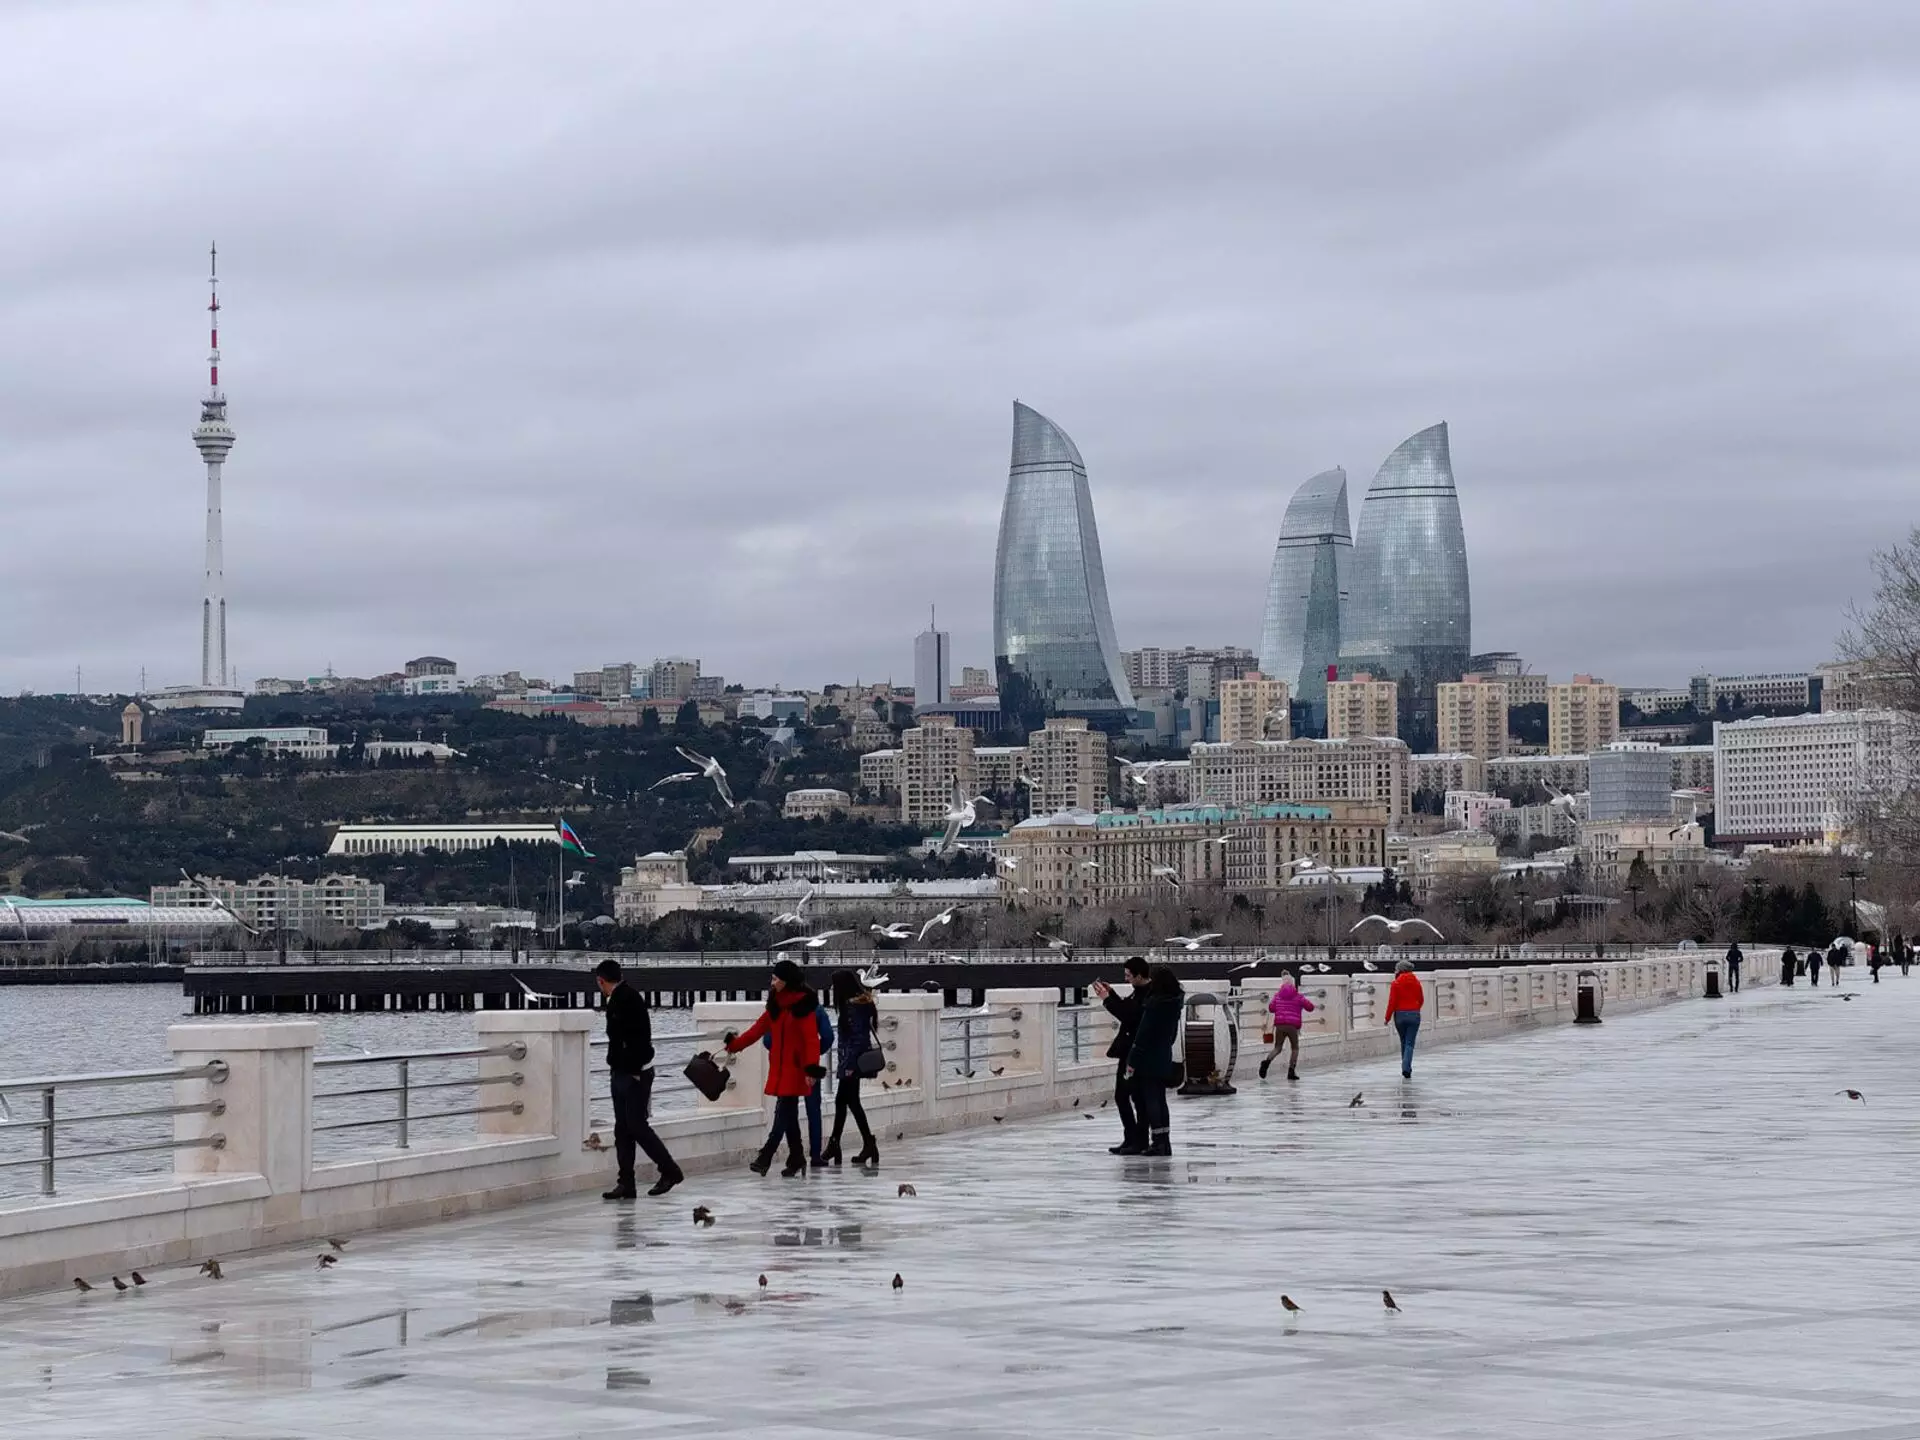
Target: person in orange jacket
(1405,998)
(793,1061)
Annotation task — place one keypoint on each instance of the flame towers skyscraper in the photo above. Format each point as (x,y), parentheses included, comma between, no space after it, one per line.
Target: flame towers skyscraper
(213,437)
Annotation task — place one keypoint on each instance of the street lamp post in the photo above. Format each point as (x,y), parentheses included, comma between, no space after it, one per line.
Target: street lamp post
(1853,876)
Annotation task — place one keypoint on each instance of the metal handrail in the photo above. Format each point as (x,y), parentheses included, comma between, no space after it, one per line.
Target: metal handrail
(404,1117)
(515,1107)
(513,1050)
(50,1122)
(215,1070)
(205,1142)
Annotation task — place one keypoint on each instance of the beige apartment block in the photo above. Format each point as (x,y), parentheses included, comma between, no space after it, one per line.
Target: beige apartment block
(1582,716)
(936,757)
(1067,764)
(1254,708)
(1375,770)
(1362,706)
(1472,717)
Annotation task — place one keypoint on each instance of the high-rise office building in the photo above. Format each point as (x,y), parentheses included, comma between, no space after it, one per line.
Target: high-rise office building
(1409,614)
(1362,704)
(932,649)
(1307,592)
(1582,715)
(1053,642)
(1471,716)
(1806,779)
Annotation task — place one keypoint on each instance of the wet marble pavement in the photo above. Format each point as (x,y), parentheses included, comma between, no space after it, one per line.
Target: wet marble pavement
(1666,1226)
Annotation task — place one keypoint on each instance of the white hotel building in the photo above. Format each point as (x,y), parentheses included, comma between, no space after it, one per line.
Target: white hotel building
(1797,779)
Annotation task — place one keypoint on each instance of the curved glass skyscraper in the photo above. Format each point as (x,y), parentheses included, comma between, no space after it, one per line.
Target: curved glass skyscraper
(1307,592)
(1053,645)
(1408,615)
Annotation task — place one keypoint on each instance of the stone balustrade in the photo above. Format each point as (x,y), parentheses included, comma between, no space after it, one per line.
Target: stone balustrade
(1020,1054)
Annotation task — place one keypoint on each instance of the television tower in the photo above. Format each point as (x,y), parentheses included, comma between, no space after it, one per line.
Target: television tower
(213,436)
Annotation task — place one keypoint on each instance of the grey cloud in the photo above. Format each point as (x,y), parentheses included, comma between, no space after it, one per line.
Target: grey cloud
(622,330)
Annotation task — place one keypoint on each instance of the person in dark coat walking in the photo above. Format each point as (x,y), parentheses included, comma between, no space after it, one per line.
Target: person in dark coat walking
(1126,1010)
(1150,1061)
(793,1061)
(859,1033)
(1789,965)
(630,1058)
(1836,957)
(1813,964)
(1734,957)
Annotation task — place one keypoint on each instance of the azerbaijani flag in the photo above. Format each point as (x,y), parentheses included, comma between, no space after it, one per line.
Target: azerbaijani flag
(571,841)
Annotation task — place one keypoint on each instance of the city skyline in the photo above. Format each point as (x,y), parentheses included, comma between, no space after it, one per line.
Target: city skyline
(472,356)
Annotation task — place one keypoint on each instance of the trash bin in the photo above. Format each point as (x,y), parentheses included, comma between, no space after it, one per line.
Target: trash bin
(1586,1005)
(1713,980)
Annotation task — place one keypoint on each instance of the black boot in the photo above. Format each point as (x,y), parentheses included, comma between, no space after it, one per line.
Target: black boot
(622,1189)
(761,1163)
(1160,1144)
(1132,1145)
(869,1153)
(1265,1065)
(831,1155)
(796,1165)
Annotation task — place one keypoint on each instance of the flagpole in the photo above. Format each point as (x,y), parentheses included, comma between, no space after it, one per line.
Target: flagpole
(560,926)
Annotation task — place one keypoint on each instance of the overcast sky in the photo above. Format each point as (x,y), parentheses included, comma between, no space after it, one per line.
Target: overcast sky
(570,333)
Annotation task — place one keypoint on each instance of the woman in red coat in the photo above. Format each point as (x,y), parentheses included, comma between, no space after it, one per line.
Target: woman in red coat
(793,1061)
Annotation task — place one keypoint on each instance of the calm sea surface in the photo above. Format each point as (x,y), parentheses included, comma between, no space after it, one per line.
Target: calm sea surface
(75,1029)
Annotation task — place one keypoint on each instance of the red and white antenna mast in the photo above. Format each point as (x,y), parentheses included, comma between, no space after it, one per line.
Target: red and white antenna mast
(213,437)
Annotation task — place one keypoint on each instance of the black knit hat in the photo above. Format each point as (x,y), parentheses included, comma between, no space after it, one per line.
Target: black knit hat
(789,972)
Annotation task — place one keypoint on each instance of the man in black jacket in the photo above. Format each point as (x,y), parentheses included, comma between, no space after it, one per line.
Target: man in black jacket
(630,1058)
(1125,1009)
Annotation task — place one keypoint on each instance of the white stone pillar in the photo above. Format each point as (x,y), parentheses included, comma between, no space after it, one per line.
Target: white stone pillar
(1026,1022)
(910,1034)
(747,1071)
(552,1093)
(266,1100)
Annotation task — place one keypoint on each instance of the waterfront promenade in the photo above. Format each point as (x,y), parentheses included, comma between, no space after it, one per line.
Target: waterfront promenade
(1668,1224)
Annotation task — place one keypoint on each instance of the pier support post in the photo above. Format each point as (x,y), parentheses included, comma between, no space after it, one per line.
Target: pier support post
(266,1100)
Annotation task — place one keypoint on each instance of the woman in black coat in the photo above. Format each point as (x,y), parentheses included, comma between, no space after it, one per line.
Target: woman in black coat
(1150,1062)
(1789,965)
(859,1032)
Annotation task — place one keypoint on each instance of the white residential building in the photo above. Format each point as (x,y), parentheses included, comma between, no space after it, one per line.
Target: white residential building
(1469,809)
(1372,769)
(1799,778)
(412,839)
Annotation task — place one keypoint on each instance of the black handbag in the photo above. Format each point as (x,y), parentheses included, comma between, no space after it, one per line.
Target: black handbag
(870,1062)
(708,1076)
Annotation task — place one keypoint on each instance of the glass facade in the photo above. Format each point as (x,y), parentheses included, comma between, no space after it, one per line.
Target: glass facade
(1409,616)
(1307,593)
(1054,649)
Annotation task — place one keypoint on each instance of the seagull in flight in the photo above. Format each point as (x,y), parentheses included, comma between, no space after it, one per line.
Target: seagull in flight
(812,942)
(1251,965)
(1089,864)
(674,779)
(1394,927)
(961,814)
(1191,942)
(1167,873)
(1138,770)
(798,914)
(709,770)
(1055,942)
(1218,840)
(898,930)
(579,877)
(945,917)
(1562,800)
(1009,861)
(536,997)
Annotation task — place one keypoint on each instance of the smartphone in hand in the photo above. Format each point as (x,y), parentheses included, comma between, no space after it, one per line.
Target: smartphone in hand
(1101,990)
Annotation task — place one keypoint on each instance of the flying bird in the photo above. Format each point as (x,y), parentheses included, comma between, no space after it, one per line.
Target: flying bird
(538,997)
(325,1261)
(906,1190)
(1217,840)
(798,914)
(1250,966)
(1368,965)
(945,917)
(874,978)
(1394,927)
(1359,1099)
(1167,873)
(212,1268)
(709,770)
(1286,1303)
(1089,864)
(1054,942)
(678,777)
(813,942)
(576,879)
(1386,1299)
(898,930)
(1852,1095)
(1191,942)
(1009,861)
(961,814)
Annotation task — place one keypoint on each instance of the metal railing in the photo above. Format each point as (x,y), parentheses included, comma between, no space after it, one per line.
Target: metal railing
(51,1122)
(405,1117)
(1085,1031)
(977,1037)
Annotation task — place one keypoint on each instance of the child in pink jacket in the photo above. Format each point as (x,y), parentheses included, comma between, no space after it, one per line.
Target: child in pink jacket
(1286,1008)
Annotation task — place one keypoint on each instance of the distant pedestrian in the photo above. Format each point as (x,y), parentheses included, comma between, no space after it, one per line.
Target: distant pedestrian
(1903,953)
(1734,957)
(1285,1008)
(1789,966)
(1405,1000)
(859,1033)
(793,1061)
(1836,957)
(1813,965)
(1150,1061)
(630,1059)
(1874,961)
(1126,1010)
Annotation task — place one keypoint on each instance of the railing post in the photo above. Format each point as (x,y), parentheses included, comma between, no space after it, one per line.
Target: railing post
(46,1141)
(265,1101)
(406,1097)
(747,1075)
(910,1034)
(1036,1049)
